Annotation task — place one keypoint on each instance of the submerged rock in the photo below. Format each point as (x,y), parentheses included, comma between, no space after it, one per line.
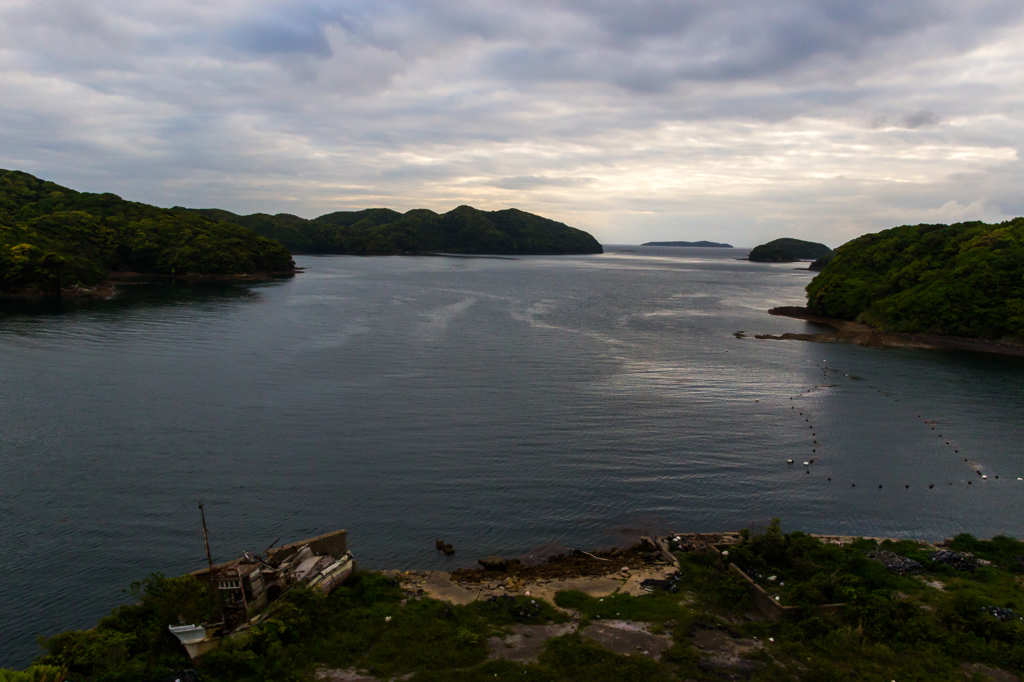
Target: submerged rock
(493,563)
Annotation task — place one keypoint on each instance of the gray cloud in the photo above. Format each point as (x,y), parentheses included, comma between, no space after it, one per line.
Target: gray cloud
(532,181)
(637,120)
(277,32)
(920,118)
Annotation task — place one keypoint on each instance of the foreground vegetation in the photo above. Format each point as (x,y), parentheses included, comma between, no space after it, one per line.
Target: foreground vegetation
(383,231)
(901,620)
(965,279)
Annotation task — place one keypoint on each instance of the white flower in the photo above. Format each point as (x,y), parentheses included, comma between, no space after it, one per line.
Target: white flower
(725,553)
(772,578)
(387,619)
(771,639)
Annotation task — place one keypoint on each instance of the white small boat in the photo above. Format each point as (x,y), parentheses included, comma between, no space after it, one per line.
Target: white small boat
(196,639)
(334,574)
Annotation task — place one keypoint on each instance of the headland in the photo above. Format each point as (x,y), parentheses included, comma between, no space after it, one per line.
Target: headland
(846,331)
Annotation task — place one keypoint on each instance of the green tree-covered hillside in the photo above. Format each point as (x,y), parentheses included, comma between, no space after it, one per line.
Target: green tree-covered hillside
(965,279)
(788,250)
(52,238)
(383,231)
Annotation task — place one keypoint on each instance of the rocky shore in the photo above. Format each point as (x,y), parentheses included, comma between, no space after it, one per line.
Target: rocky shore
(759,604)
(845,331)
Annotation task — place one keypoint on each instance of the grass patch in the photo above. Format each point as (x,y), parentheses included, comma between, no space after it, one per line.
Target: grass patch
(573,658)
(892,627)
(652,608)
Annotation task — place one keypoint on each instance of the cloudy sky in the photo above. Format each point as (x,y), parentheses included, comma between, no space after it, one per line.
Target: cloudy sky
(733,120)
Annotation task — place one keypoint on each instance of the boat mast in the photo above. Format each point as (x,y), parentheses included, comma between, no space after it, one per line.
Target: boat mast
(209,562)
(206,541)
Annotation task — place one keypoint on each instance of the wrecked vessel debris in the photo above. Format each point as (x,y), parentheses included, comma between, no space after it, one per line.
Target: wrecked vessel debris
(250,585)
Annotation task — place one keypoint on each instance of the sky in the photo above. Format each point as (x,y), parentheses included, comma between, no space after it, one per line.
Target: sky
(728,120)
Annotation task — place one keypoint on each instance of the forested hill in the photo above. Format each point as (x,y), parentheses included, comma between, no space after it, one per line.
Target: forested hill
(383,231)
(53,238)
(788,250)
(965,279)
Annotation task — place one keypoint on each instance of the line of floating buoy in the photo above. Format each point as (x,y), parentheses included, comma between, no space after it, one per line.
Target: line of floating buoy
(931,486)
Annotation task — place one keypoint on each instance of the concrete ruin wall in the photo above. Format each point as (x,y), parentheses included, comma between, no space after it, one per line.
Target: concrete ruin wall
(763,602)
(333,544)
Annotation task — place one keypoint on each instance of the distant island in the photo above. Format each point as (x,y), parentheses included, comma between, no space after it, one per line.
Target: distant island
(964,280)
(701,244)
(54,239)
(382,231)
(788,250)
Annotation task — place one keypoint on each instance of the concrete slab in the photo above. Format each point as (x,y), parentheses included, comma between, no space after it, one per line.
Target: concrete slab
(632,584)
(627,638)
(593,587)
(525,642)
(439,586)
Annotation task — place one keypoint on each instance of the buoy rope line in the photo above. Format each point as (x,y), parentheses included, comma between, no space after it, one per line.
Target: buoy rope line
(975,467)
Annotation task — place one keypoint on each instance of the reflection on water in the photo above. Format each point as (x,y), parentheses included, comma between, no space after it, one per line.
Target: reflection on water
(505,405)
(174,293)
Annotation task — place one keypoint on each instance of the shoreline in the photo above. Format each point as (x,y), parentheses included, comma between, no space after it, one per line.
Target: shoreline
(680,606)
(108,287)
(846,331)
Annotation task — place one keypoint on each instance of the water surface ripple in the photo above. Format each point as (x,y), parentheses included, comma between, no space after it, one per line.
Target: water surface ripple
(499,404)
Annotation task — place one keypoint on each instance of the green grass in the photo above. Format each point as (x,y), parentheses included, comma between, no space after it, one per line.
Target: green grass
(892,627)
(652,608)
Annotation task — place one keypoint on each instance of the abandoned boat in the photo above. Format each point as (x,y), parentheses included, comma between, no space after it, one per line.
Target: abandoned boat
(249,585)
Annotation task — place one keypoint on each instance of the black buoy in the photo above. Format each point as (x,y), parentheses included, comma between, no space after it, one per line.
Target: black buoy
(907,486)
(930,486)
(853,485)
(879,487)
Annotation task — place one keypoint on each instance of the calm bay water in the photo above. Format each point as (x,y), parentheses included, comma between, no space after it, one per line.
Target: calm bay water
(508,406)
